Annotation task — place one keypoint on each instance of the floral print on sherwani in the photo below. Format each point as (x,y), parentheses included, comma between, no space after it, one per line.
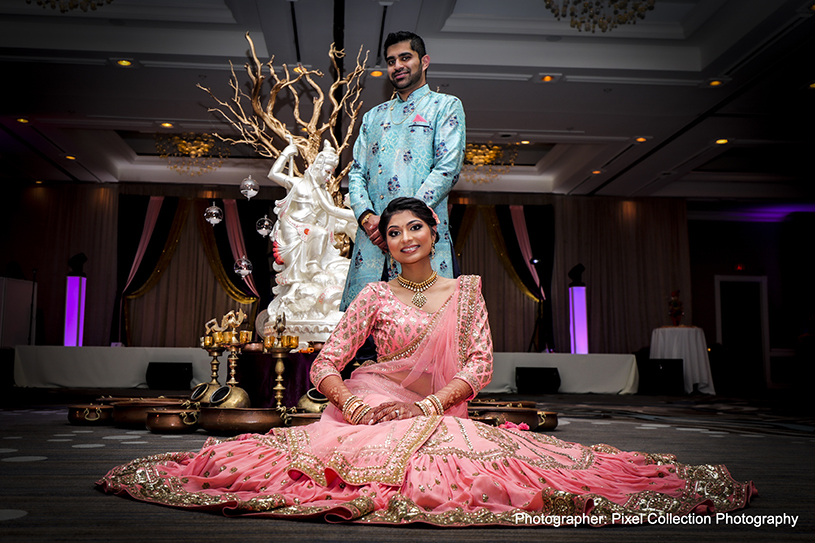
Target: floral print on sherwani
(412,147)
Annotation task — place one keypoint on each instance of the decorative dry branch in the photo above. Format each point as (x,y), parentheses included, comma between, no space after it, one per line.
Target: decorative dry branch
(258,127)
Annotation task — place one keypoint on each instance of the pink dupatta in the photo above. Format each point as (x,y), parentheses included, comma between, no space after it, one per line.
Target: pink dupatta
(379,453)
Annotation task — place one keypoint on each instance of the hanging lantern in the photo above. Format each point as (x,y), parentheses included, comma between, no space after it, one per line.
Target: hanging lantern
(213,214)
(242,266)
(264,226)
(249,187)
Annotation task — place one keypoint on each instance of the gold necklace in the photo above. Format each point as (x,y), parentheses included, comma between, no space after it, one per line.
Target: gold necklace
(415,105)
(419,299)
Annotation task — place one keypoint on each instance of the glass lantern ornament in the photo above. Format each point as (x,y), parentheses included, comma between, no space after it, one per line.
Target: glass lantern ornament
(213,215)
(264,226)
(249,187)
(242,266)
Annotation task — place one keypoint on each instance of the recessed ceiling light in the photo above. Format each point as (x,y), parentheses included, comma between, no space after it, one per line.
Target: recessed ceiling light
(641,139)
(38,182)
(524,142)
(596,172)
(548,77)
(714,82)
(23,120)
(811,86)
(70,157)
(377,73)
(125,63)
(167,125)
(721,141)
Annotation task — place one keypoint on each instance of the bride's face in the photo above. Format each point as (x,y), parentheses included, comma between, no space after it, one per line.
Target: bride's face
(409,238)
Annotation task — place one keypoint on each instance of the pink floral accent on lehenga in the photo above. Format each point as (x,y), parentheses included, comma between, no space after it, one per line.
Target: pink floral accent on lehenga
(447,471)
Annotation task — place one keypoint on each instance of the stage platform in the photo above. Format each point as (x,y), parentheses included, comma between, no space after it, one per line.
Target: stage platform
(126,367)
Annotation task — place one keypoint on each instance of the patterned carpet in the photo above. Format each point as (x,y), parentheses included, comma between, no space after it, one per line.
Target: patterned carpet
(48,466)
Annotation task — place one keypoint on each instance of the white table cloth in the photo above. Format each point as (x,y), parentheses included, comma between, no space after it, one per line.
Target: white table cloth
(687,343)
(102,367)
(579,373)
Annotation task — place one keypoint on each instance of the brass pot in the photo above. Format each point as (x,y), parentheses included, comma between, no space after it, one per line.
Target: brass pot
(134,412)
(203,393)
(312,401)
(238,420)
(302,419)
(229,397)
(171,421)
(90,414)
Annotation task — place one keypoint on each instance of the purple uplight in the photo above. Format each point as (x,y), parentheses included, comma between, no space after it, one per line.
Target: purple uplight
(74,311)
(578,323)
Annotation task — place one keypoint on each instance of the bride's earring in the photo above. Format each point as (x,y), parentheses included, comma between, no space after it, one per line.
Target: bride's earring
(433,250)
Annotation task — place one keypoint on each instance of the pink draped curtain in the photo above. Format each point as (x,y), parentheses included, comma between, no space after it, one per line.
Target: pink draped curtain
(236,243)
(174,312)
(153,210)
(521,233)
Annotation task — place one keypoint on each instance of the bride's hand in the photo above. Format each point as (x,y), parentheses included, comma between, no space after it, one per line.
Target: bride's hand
(391,411)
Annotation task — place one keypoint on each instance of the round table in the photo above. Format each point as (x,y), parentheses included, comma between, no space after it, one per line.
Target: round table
(687,343)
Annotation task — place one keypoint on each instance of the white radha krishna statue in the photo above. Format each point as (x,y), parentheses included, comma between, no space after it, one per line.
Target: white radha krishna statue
(310,269)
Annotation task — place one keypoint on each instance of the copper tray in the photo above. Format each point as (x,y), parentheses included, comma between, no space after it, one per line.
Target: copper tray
(89,415)
(239,420)
(163,420)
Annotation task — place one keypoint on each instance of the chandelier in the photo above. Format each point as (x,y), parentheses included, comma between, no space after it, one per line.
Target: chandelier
(190,153)
(67,5)
(603,14)
(484,162)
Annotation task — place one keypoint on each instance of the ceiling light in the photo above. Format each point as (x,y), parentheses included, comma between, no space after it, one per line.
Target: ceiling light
(524,142)
(721,141)
(125,63)
(811,86)
(484,163)
(641,139)
(67,5)
(377,72)
(167,125)
(38,182)
(23,120)
(70,157)
(603,14)
(548,77)
(192,154)
(596,172)
(714,82)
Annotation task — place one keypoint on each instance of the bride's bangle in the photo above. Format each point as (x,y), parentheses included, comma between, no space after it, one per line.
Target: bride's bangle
(430,406)
(436,403)
(350,399)
(421,405)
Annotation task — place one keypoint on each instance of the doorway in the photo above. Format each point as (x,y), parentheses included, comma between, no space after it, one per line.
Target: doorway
(742,330)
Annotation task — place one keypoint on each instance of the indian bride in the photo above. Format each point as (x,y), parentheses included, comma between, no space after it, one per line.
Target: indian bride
(396,447)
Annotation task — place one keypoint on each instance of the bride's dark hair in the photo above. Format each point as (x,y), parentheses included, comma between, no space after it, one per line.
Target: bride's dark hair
(414,205)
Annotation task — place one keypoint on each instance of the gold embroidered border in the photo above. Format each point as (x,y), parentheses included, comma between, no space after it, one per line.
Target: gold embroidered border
(392,472)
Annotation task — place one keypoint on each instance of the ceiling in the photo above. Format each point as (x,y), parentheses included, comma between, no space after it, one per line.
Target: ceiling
(646,80)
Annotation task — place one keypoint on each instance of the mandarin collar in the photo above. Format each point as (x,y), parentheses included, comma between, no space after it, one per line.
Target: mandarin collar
(418,93)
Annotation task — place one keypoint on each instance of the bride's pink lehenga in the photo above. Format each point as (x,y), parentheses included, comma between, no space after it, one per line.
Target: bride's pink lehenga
(448,471)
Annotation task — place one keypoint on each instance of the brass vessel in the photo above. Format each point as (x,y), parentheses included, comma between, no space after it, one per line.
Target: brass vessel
(229,396)
(312,401)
